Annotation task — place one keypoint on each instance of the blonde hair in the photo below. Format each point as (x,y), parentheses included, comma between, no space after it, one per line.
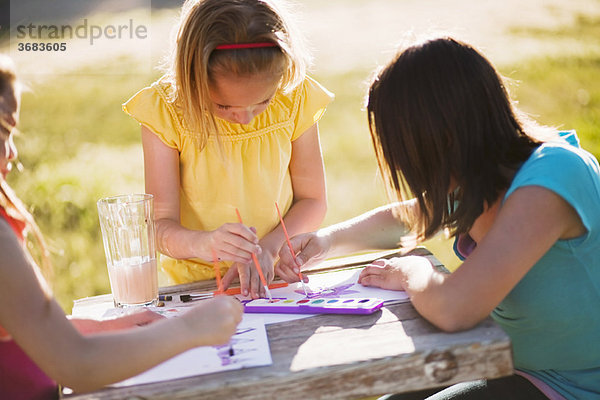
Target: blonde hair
(206,24)
(14,207)
(9,85)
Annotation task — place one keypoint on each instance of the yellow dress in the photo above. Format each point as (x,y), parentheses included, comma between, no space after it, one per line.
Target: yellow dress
(251,175)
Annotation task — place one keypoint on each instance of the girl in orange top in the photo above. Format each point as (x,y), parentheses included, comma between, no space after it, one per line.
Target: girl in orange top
(35,331)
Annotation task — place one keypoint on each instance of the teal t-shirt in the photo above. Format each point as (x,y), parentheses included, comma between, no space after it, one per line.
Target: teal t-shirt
(553,314)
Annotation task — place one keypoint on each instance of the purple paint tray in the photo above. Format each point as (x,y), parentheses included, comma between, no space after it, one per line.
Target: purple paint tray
(314,306)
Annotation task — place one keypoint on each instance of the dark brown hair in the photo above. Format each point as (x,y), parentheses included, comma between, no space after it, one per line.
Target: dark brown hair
(440,114)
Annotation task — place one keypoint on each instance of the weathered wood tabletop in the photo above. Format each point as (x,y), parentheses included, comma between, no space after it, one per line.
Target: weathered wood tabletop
(346,357)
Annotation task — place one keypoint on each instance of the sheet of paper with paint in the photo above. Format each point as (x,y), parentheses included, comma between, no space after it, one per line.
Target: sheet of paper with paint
(343,283)
(250,349)
(337,284)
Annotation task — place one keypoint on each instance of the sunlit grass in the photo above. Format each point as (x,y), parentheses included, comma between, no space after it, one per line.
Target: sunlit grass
(565,93)
(63,197)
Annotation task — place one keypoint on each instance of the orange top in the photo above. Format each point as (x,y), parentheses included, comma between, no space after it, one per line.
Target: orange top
(20,377)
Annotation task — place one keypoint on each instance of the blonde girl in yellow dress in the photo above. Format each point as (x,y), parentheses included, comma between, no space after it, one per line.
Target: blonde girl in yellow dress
(233,124)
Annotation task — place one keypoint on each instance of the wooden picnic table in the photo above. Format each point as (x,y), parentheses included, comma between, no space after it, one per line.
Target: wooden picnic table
(342,356)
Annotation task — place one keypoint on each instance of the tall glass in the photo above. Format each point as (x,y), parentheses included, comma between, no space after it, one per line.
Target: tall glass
(127,224)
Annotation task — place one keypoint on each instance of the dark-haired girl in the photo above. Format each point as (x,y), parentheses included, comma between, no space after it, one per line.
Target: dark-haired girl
(522,200)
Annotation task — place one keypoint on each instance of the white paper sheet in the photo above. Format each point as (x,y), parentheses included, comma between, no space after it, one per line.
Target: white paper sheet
(250,349)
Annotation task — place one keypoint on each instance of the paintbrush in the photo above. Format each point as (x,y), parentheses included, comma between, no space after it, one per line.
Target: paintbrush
(217,271)
(184,298)
(258,268)
(287,239)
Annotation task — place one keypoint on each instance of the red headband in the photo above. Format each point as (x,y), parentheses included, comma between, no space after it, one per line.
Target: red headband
(234,46)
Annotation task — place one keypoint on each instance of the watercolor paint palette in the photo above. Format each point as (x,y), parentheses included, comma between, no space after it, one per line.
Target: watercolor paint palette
(314,306)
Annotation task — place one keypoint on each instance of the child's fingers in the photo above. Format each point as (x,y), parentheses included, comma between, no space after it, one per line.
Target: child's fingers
(237,244)
(286,260)
(231,306)
(244,274)
(287,274)
(147,316)
(310,249)
(381,262)
(237,310)
(368,271)
(234,239)
(228,252)
(255,284)
(270,276)
(225,256)
(229,276)
(287,267)
(374,280)
(376,267)
(298,243)
(268,269)
(226,315)
(242,231)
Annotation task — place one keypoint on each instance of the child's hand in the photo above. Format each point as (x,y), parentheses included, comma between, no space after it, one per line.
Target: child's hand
(213,322)
(266,261)
(137,318)
(232,242)
(255,285)
(398,273)
(250,283)
(310,248)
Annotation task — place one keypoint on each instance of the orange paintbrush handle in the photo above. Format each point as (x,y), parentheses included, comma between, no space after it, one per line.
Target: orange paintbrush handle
(287,239)
(237,290)
(258,268)
(217,271)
